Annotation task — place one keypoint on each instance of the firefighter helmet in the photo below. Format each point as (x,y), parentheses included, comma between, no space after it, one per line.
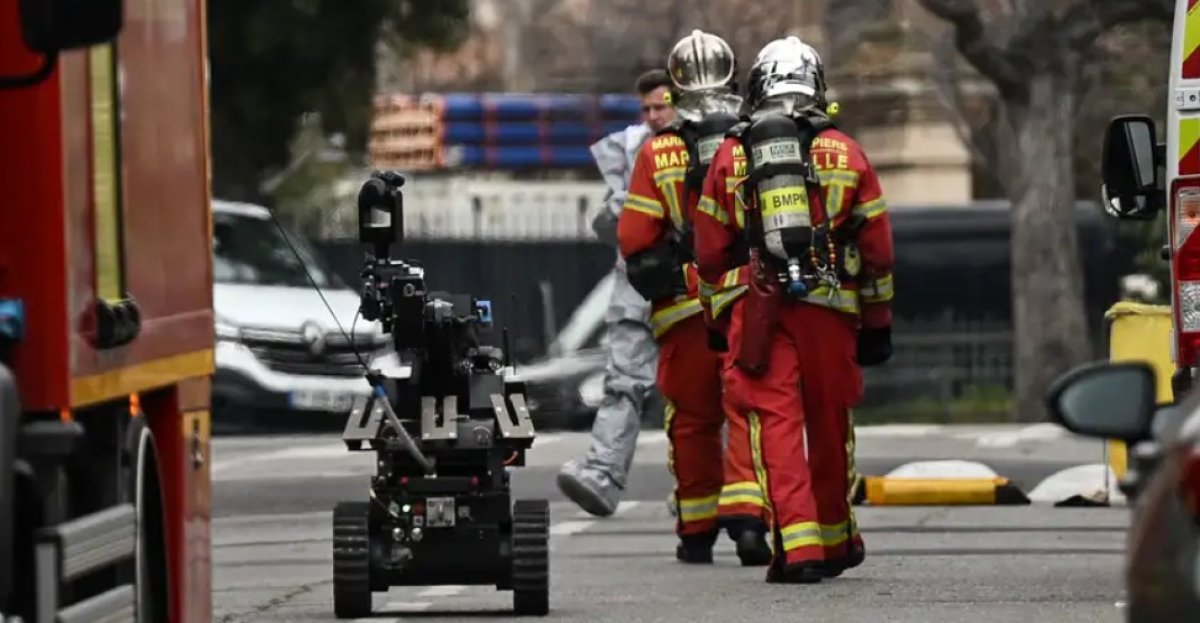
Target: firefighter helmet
(787,67)
(701,61)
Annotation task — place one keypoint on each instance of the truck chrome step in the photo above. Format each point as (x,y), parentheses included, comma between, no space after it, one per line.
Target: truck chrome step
(114,606)
(93,541)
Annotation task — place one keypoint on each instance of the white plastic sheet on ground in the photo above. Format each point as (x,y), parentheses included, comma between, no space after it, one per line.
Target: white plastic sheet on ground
(1087,481)
(941,470)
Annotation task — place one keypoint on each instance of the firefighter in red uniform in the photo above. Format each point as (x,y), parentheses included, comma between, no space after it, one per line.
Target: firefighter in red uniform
(655,239)
(793,240)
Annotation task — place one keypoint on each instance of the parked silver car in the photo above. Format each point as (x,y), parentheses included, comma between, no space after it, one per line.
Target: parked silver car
(1117,401)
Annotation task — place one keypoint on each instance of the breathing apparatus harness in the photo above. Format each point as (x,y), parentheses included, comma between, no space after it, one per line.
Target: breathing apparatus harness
(788,235)
(658,272)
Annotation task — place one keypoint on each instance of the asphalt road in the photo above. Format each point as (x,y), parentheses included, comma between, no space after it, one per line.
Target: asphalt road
(272,560)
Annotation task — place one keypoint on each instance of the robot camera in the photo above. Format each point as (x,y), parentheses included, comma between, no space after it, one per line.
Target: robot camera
(381,210)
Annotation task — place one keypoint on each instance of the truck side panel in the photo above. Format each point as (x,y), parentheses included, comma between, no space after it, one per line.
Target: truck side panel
(163,200)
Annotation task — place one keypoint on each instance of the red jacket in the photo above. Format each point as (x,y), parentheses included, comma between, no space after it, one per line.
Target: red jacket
(654,204)
(850,187)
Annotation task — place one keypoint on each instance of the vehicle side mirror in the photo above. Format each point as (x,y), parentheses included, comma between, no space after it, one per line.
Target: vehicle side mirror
(1130,169)
(50,26)
(1106,400)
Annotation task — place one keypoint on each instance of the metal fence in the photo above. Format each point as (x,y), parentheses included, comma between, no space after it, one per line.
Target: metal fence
(944,369)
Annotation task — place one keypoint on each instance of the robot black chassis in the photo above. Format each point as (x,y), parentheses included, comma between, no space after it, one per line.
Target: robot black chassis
(455,523)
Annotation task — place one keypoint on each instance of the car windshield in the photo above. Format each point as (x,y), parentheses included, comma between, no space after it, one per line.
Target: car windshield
(250,251)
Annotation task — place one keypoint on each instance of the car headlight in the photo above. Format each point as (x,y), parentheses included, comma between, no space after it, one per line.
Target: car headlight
(228,333)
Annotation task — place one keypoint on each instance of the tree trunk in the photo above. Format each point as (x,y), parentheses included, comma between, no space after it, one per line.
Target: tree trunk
(1047,278)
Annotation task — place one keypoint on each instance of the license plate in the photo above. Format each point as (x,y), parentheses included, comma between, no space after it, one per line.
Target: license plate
(322,401)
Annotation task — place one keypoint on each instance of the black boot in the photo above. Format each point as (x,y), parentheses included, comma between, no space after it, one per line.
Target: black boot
(696,549)
(752,548)
(802,573)
(834,568)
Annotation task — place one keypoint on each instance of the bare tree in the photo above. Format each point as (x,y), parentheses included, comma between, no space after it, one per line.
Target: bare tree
(1035,53)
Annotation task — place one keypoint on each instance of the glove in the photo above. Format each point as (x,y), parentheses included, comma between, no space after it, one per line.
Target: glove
(874,346)
(717,342)
(605,226)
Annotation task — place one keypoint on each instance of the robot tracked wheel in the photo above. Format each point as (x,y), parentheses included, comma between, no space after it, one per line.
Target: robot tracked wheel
(445,431)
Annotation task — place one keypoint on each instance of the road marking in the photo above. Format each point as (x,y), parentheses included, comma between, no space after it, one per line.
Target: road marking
(406,607)
(652,437)
(325,449)
(272,518)
(449,590)
(897,430)
(625,507)
(566,528)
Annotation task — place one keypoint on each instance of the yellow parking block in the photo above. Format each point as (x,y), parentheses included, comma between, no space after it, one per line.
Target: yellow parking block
(884,491)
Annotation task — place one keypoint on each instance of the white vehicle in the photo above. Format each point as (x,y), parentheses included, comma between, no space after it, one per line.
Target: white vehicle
(278,349)
(1141,177)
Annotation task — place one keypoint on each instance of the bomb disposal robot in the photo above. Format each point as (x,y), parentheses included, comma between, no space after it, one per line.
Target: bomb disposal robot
(444,429)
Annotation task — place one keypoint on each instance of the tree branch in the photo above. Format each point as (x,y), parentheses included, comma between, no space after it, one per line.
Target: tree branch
(949,96)
(971,39)
(1088,19)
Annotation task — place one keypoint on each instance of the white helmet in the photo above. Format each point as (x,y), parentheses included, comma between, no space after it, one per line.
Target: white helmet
(787,67)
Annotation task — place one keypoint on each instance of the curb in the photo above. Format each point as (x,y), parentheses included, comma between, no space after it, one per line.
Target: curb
(965,483)
(962,483)
(888,491)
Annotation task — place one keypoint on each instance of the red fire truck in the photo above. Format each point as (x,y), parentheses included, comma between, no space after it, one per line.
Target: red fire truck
(106,324)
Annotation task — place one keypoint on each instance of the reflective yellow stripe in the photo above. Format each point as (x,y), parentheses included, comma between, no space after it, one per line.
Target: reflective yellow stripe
(668,420)
(878,290)
(851,467)
(725,298)
(668,175)
(709,206)
(837,183)
(840,177)
(739,211)
(871,209)
(760,470)
(106,179)
(842,300)
(698,509)
(706,290)
(834,534)
(674,205)
(731,277)
(742,493)
(798,535)
(668,317)
(645,205)
(141,377)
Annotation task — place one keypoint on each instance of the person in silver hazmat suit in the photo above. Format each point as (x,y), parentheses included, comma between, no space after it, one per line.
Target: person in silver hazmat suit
(596,483)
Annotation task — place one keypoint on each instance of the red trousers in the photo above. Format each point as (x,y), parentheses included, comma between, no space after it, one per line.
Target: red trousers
(797,410)
(712,484)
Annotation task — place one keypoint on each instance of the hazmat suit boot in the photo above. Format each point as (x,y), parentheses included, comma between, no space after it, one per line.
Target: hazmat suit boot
(696,549)
(594,491)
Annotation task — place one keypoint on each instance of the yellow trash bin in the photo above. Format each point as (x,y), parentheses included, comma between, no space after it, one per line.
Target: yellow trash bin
(1139,332)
